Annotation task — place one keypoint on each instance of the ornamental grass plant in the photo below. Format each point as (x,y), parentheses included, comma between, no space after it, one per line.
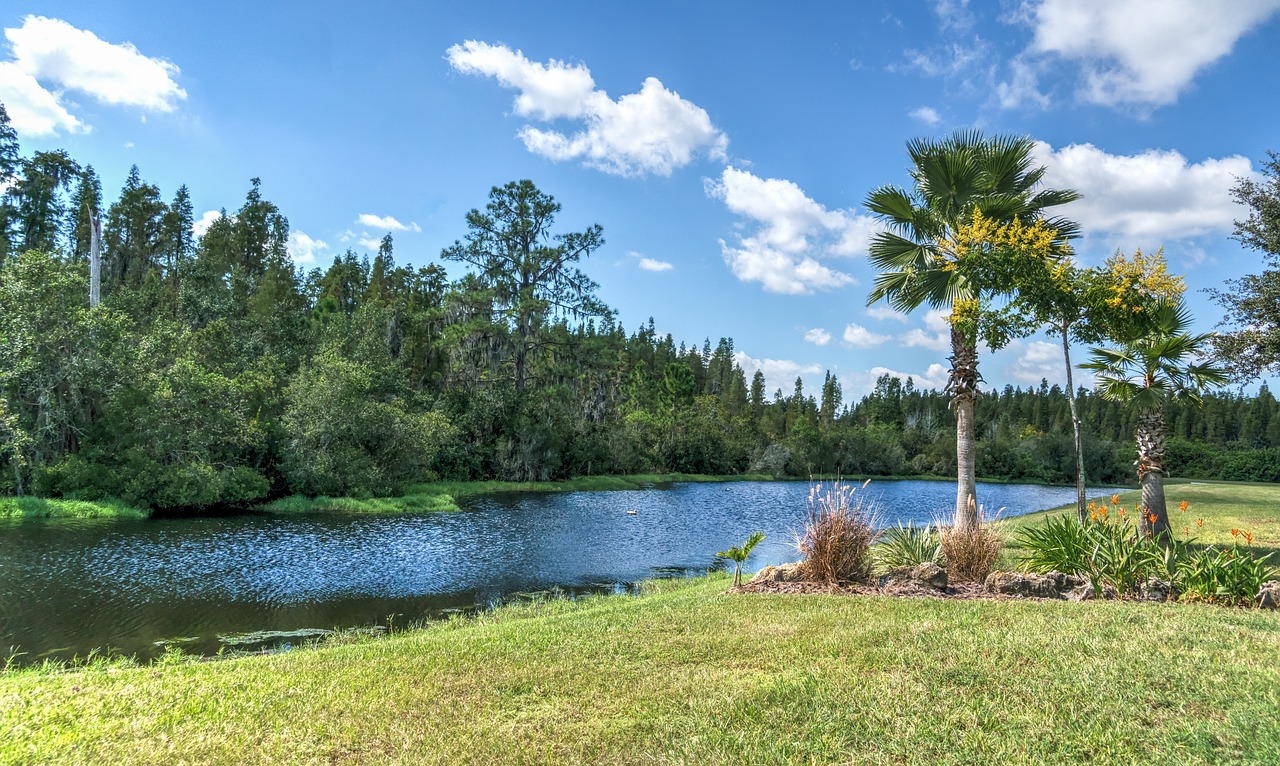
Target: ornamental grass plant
(838,534)
(971,552)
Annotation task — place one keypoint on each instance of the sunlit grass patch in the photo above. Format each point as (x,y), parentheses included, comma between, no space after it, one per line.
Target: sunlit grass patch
(405,504)
(45,508)
(460,489)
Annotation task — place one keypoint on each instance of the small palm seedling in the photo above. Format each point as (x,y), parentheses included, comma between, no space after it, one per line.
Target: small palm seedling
(739,555)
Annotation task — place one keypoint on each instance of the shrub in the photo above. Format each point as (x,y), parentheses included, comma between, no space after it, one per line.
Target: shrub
(838,535)
(1060,544)
(1228,575)
(1108,551)
(908,546)
(970,553)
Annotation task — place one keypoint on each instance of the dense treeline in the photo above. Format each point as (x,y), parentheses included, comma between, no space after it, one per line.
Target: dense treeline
(215,372)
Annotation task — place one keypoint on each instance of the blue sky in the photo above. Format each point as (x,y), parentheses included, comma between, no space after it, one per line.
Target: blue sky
(726,148)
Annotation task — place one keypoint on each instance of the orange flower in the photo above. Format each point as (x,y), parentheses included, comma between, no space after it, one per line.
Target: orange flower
(1182,506)
(1122,511)
(1093,515)
(1186,530)
(1248,538)
(1093,506)
(1199,522)
(1235,533)
(1151,517)
(1115,500)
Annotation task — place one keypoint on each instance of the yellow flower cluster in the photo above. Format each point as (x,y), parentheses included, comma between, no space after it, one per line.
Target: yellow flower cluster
(984,234)
(1144,276)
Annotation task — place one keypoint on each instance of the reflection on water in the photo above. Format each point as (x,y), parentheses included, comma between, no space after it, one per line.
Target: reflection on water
(67,587)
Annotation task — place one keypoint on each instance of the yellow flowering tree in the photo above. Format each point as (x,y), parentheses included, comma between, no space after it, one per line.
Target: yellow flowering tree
(1111,301)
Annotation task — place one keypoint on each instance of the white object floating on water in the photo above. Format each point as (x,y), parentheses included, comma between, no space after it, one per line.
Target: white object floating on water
(631,511)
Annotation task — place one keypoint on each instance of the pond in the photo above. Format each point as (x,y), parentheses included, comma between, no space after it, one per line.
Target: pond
(256,581)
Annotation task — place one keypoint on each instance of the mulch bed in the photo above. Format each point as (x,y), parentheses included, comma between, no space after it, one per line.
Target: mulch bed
(960,590)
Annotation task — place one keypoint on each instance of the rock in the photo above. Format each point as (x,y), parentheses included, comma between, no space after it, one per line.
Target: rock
(928,575)
(1156,589)
(1269,595)
(1086,592)
(780,573)
(1066,582)
(1023,585)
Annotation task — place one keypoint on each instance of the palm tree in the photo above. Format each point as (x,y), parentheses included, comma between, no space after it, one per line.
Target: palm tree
(739,555)
(953,178)
(1151,367)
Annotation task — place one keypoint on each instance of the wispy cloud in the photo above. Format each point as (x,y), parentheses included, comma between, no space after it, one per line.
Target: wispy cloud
(650,264)
(385,222)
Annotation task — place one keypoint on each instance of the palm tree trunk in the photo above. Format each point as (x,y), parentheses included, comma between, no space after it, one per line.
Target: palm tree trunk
(1151,451)
(1075,424)
(963,385)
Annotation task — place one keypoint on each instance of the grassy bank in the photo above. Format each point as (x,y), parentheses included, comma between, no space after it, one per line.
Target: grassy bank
(443,495)
(404,504)
(45,508)
(686,674)
(460,489)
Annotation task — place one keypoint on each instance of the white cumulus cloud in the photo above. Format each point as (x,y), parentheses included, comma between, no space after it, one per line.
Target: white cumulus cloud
(791,232)
(1037,361)
(303,249)
(49,57)
(777,372)
(1148,198)
(34,111)
(386,222)
(857,336)
(1141,52)
(817,336)
(650,264)
(858,384)
(651,131)
(206,219)
(935,336)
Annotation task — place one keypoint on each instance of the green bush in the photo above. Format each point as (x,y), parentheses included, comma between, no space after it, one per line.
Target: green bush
(1107,551)
(1227,575)
(907,546)
(1060,544)
(1115,553)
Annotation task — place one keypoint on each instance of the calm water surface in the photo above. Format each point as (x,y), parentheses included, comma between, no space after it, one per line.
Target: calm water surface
(67,587)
